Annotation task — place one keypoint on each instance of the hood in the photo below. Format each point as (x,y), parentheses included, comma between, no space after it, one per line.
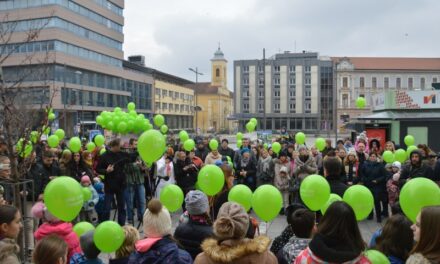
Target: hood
(61,228)
(145,244)
(8,247)
(333,250)
(230,250)
(418,153)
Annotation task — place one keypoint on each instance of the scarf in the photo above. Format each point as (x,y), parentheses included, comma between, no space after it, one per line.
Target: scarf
(266,163)
(244,162)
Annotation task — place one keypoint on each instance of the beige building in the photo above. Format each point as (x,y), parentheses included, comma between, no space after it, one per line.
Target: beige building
(81,46)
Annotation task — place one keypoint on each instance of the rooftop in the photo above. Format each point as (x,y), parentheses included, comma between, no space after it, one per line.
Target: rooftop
(391,63)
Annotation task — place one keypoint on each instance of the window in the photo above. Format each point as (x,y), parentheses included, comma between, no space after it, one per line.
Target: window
(171,94)
(345,82)
(362,82)
(307,80)
(261,81)
(170,106)
(374,82)
(182,96)
(276,81)
(157,91)
(308,92)
(246,81)
(217,72)
(276,69)
(276,93)
(422,83)
(246,94)
(386,82)
(345,100)
(276,107)
(261,94)
(434,80)
(398,83)
(245,69)
(182,107)
(260,107)
(164,93)
(292,93)
(307,69)
(157,104)
(307,106)
(246,106)
(292,81)
(164,105)
(260,69)
(410,83)
(292,107)
(292,69)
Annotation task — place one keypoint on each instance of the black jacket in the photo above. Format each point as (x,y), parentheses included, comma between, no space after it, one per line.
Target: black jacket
(227,152)
(336,185)
(333,250)
(202,153)
(114,181)
(191,235)
(40,174)
(250,169)
(119,261)
(185,179)
(410,171)
(76,171)
(436,175)
(374,171)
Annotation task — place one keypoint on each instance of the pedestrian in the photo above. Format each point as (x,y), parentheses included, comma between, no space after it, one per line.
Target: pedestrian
(165,171)
(282,180)
(131,236)
(158,245)
(225,150)
(100,206)
(305,164)
(246,169)
(230,244)
(337,239)
(332,168)
(317,156)
(44,171)
(415,169)
(220,198)
(328,148)
(52,249)
(362,156)
(78,168)
(393,189)
(426,232)
(213,157)
(10,225)
(202,150)
(64,162)
(351,167)
(88,212)
(280,241)
(90,251)
(265,169)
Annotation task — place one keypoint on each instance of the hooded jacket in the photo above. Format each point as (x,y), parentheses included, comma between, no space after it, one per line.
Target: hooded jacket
(191,235)
(410,171)
(239,251)
(292,249)
(8,251)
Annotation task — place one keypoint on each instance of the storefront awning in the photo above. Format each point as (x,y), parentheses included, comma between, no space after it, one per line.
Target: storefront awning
(402,115)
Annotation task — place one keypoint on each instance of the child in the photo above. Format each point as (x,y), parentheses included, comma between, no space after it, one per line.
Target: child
(393,184)
(100,206)
(52,249)
(91,252)
(281,181)
(88,213)
(128,247)
(52,225)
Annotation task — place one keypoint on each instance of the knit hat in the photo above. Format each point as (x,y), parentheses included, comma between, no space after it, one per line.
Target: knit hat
(196,202)
(352,152)
(157,220)
(85,179)
(232,222)
(397,165)
(244,150)
(88,246)
(40,211)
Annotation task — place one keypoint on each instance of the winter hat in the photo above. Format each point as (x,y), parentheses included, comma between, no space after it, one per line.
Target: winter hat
(157,220)
(232,222)
(388,166)
(352,152)
(88,246)
(99,187)
(218,163)
(196,203)
(397,165)
(85,179)
(244,150)
(38,210)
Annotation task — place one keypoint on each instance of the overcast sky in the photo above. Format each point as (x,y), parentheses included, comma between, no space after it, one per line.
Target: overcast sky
(176,34)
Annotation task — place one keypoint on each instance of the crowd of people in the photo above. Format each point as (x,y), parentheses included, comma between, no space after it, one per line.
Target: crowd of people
(211,229)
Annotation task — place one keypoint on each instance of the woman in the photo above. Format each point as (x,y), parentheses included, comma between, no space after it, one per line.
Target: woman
(230,244)
(304,164)
(424,150)
(77,168)
(66,157)
(246,170)
(50,250)
(396,239)
(337,240)
(165,169)
(222,197)
(10,225)
(264,169)
(426,232)
(123,253)
(87,158)
(158,246)
(351,165)
(389,145)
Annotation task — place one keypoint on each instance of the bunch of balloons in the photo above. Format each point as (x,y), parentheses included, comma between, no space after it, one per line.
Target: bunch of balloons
(251,125)
(122,122)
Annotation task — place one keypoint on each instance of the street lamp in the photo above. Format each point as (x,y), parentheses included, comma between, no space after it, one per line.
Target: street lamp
(79,73)
(196,71)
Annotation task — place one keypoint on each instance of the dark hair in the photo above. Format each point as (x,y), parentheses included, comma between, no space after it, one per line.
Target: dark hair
(429,242)
(332,165)
(130,142)
(396,209)
(7,214)
(292,209)
(303,222)
(225,140)
(340,141)
(396,238)
(339,223)
(115,142)
(48,154)
(49,250)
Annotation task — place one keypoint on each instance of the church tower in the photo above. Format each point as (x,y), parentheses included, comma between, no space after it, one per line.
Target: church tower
(219,69)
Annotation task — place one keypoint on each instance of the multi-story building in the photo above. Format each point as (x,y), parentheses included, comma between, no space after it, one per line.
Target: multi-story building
(293,91)
(368,76)
(80,48)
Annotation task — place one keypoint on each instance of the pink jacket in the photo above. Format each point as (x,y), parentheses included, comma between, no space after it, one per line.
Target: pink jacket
(307,257)
(65,231)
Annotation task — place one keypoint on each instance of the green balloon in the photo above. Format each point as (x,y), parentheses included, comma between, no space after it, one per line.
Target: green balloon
(75,144)
(388,156)
(254,121)
(164,129)
(333,198)
(51,116)
(102,151)
(361,102)
(131,106)
(276,147)
(117,110)
(53,141)
(183,135)
(376,257)
(314,191)
(409,140)
(239,143)
(400,155)
(108,236)
(213,144)
(159,120)
(239,136)
(82,228)
(90,146)
(99,120)
(211,179)
(360,199)
(416,194)
(320,144)
(171,196)
(27,148)
(122,127)
(87,194)
(46,130)
(151,145)
(60,133)
(34,136)
(265,146)
(189,145)
(64,197)
(99,140)
(250,127)
(410,149)
(242,195)
(300,138)
(267,202)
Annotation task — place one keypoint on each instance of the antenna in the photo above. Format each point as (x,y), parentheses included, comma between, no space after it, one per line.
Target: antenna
(295,46)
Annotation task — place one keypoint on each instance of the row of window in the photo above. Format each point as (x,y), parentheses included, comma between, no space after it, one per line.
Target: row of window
(386,82)
(56,45)
(276,93)
(174,107)
(292,69)
(110,6)
(293,123)
(277,81)
(277,107)
(174,95)
(69,4)
(56,22)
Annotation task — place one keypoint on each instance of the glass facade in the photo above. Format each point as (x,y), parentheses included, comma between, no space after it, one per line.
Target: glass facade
(326,98)
(110,6)
(56,45)
(56,22)
(71,5)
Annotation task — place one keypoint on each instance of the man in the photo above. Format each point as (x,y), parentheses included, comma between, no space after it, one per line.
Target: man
(328,147)
(225,150)
(317,156)
(185,172)
(362,157)
(332,172)
(44,171)
(415,169)
(238,154)
(111,165)
(135,192)
(202,151)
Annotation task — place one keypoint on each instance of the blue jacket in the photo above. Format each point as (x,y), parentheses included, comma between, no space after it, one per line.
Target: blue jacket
(80,259)
(100,206)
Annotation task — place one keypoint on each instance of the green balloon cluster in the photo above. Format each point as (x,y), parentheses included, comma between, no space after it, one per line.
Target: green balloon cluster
(122,122)
(23,150)
(109,236)
(239,136)
(267,202)
(171,196)
(315,192)
(242,195)
(250,126)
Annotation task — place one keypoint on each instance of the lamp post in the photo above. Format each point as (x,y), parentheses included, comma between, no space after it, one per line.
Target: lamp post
(79,74)
(196,71)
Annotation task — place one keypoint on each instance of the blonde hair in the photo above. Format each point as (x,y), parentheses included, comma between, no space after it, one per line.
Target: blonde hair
(131,237)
